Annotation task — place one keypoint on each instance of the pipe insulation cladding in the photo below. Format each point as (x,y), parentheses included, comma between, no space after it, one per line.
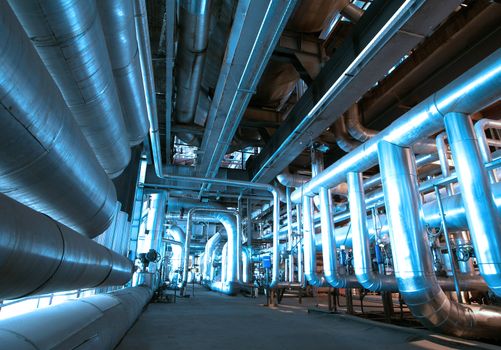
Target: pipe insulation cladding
(45,161)
(117,17)
(98,322)
(412,257)
(39,255)
(69,38)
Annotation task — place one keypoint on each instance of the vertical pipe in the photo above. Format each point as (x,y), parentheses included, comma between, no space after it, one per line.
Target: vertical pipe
(299,245)
(481,213)
(448,244)
(480,127)
(289,235)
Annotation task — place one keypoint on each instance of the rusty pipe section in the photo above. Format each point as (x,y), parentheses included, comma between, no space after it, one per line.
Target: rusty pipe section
(69,39)
(412,257)
(194,16)
(96,322)
(117,17)
(45,161)
(39,255)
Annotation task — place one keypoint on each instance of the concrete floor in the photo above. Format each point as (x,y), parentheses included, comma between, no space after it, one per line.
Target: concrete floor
(213,321)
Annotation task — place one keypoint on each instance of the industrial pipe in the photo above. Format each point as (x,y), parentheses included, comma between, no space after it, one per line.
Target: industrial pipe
(477,88)
(483,218)
(146,62)
(39,255)
(233,230)
(178,236)
(244,184)
(117,17)
(412,257)
(69,39)
(362,261)
(194,16)
(45,161)
(96,322)
(329,251)
(210,247)
(480,127)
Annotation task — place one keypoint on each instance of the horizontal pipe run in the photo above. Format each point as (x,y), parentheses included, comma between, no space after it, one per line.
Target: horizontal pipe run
(477,88)
(69,39)
(96,322)
(45,161)
(39,255)
(117,17)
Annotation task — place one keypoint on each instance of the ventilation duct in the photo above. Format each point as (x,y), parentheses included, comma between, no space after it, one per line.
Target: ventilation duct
(68,36)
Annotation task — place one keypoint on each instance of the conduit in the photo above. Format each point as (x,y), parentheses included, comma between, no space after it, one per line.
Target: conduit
(45,161)
(39,255)
(69,39)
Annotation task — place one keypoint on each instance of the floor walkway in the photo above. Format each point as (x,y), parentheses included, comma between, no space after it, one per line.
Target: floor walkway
(213,321)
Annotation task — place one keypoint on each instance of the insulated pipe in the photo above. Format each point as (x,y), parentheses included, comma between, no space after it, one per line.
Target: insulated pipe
(299,246)
(178,235)
(117,17)
(310,255)
(343,140)
(96,322)
(157,227)
(69,39)
(354,125)
(45,161)
(246,258)
(480,127)
(412,257)
(233,230)
(475,89)
(210,247)
(39,255)
(483,218)
(362,261)
(291,277)
(194,16)
(329,250)
(287,179)
(146,62)
(224,264)
(244,184)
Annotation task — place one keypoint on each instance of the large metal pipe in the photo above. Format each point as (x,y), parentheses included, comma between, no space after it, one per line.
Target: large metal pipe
(69,39)
(483,145)
(412,257)
(483,218)
(117,17)
(39,255)
(146,62)
(231,221)
(194,18)
(252,185)
(477,88)
(210,247)
(362,261)
(45,161)
(329,251)
(157,209)
(96,322)
(178,236)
